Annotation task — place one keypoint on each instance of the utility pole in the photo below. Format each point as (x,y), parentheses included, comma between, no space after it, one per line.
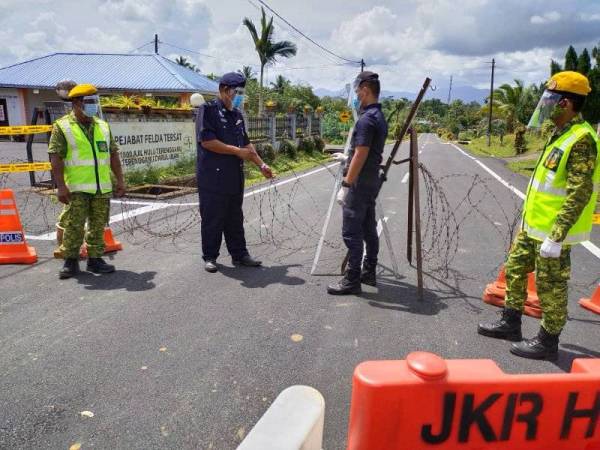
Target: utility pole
(491,104)
(450,90)
(362,65)
(156,44)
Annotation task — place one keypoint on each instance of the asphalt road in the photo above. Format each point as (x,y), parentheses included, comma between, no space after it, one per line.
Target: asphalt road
(166,355)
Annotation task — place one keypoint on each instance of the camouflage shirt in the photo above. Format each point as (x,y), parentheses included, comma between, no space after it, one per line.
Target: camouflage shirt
(58,142)
(580,169)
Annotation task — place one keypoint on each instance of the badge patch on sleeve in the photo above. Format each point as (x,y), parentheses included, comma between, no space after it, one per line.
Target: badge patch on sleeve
(102,147)
(553,159)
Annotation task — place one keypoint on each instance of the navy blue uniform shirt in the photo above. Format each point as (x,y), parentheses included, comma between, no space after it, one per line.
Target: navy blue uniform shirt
(370,131)
(215,172)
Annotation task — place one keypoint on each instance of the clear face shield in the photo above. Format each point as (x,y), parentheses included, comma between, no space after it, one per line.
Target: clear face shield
(545,109)
(91,106)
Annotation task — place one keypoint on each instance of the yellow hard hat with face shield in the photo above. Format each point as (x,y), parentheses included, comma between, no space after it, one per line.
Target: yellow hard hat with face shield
(560,83)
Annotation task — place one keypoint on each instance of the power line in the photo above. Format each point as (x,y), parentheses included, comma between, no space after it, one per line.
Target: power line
(207,55)
(306,37)
(141,46)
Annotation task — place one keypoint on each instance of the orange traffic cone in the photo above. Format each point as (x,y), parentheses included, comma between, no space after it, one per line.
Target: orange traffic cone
(111,245)
(593,304)
(13,248)
(495,293)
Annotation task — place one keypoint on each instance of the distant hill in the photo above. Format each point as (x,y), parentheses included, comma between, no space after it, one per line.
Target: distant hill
(465,93)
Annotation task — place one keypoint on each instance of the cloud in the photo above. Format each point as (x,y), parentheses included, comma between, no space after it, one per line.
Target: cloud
(549,17)
(404,41)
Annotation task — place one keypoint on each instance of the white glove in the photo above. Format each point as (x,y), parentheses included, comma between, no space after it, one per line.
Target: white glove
(340,157)
(342,193)
(550,249)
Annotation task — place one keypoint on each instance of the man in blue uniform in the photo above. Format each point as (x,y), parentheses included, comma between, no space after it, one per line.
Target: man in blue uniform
(223,146)
(360,187)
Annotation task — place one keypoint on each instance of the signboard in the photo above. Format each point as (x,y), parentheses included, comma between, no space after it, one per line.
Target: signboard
(156,144)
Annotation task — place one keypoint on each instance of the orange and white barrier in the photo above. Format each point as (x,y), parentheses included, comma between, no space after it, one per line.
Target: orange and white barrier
(13,248)
(426,402)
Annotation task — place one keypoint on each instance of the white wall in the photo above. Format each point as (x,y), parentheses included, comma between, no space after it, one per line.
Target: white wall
(14,105)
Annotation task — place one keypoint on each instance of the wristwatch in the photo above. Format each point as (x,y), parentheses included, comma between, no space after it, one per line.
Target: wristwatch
(346,185)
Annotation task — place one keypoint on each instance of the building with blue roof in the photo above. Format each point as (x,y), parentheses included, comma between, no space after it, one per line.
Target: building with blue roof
(29,84)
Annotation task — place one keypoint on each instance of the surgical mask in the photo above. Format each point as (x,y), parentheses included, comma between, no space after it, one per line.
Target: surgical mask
(547,108)
(90,109)
(238,101)
(356,104)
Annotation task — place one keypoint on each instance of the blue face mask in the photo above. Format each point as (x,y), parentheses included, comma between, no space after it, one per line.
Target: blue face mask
(238,101)
(356,104)
(90,109)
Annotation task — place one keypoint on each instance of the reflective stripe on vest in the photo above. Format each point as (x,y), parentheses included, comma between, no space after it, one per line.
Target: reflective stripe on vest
(86,168)
(547,190)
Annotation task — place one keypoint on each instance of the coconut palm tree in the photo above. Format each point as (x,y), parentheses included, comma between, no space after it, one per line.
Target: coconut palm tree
(280,84)
(268,50)
(248,72)
(183,61)
(510,101)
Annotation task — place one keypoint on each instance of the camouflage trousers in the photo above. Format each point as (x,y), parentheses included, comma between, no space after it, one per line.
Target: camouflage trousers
(84,207)
(551,276)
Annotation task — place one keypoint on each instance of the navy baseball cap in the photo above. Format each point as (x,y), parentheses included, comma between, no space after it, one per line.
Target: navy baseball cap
(233,79)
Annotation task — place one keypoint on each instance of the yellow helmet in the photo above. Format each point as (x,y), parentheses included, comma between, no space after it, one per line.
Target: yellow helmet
(83,90)
(569,81)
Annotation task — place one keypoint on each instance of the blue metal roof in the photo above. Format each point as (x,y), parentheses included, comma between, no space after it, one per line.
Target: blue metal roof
(115,72)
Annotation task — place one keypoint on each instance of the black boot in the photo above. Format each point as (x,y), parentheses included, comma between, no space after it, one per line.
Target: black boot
(70,268)
(508,327)
(246,261)
(348,285)
(97,265)
(543,346)
(368,276)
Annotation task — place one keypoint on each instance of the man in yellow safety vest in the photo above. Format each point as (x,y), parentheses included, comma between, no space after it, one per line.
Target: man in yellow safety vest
(83,154)
(560,201)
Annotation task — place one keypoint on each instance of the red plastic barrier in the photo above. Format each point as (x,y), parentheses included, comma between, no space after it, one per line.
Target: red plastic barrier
(426,402)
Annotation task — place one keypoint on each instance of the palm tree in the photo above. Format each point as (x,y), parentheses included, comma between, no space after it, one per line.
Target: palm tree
(280,84)
(510,100)
(248,73)
(183,61)
(267,50)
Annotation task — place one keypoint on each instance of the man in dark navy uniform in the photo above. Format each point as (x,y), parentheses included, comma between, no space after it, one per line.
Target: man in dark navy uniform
(360,187)
(223,146)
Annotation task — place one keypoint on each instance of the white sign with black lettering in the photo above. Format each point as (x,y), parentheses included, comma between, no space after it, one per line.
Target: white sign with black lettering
(153,144)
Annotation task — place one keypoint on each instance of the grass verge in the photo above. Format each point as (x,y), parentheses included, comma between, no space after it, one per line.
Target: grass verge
(506,149)
(283,165)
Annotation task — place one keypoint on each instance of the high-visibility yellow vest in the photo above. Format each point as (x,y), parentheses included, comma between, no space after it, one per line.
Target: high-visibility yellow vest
(547,191)
(87,164)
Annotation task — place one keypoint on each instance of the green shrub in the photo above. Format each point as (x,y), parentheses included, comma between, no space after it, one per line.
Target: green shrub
(266,152)
(306,145)
(520,143)
(319,143)
(466,136)
(288,149)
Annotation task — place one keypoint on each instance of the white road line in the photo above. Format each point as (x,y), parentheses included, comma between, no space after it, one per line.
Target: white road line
(380,225)
(154,206)
(593,249)
(405,178)
(113,219)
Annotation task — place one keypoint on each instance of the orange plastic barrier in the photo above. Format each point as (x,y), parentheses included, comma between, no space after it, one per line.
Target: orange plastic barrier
(13,248)
(494,294)
(425,402)
(593,303)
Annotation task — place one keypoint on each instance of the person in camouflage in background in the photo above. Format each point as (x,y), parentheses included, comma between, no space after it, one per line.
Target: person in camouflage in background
(560,201)
(83,154)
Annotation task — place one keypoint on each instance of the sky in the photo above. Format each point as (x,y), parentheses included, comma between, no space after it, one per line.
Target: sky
(403,40)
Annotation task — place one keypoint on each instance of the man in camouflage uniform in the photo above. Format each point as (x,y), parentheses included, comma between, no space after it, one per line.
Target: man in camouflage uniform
(560,201)
(83,153)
